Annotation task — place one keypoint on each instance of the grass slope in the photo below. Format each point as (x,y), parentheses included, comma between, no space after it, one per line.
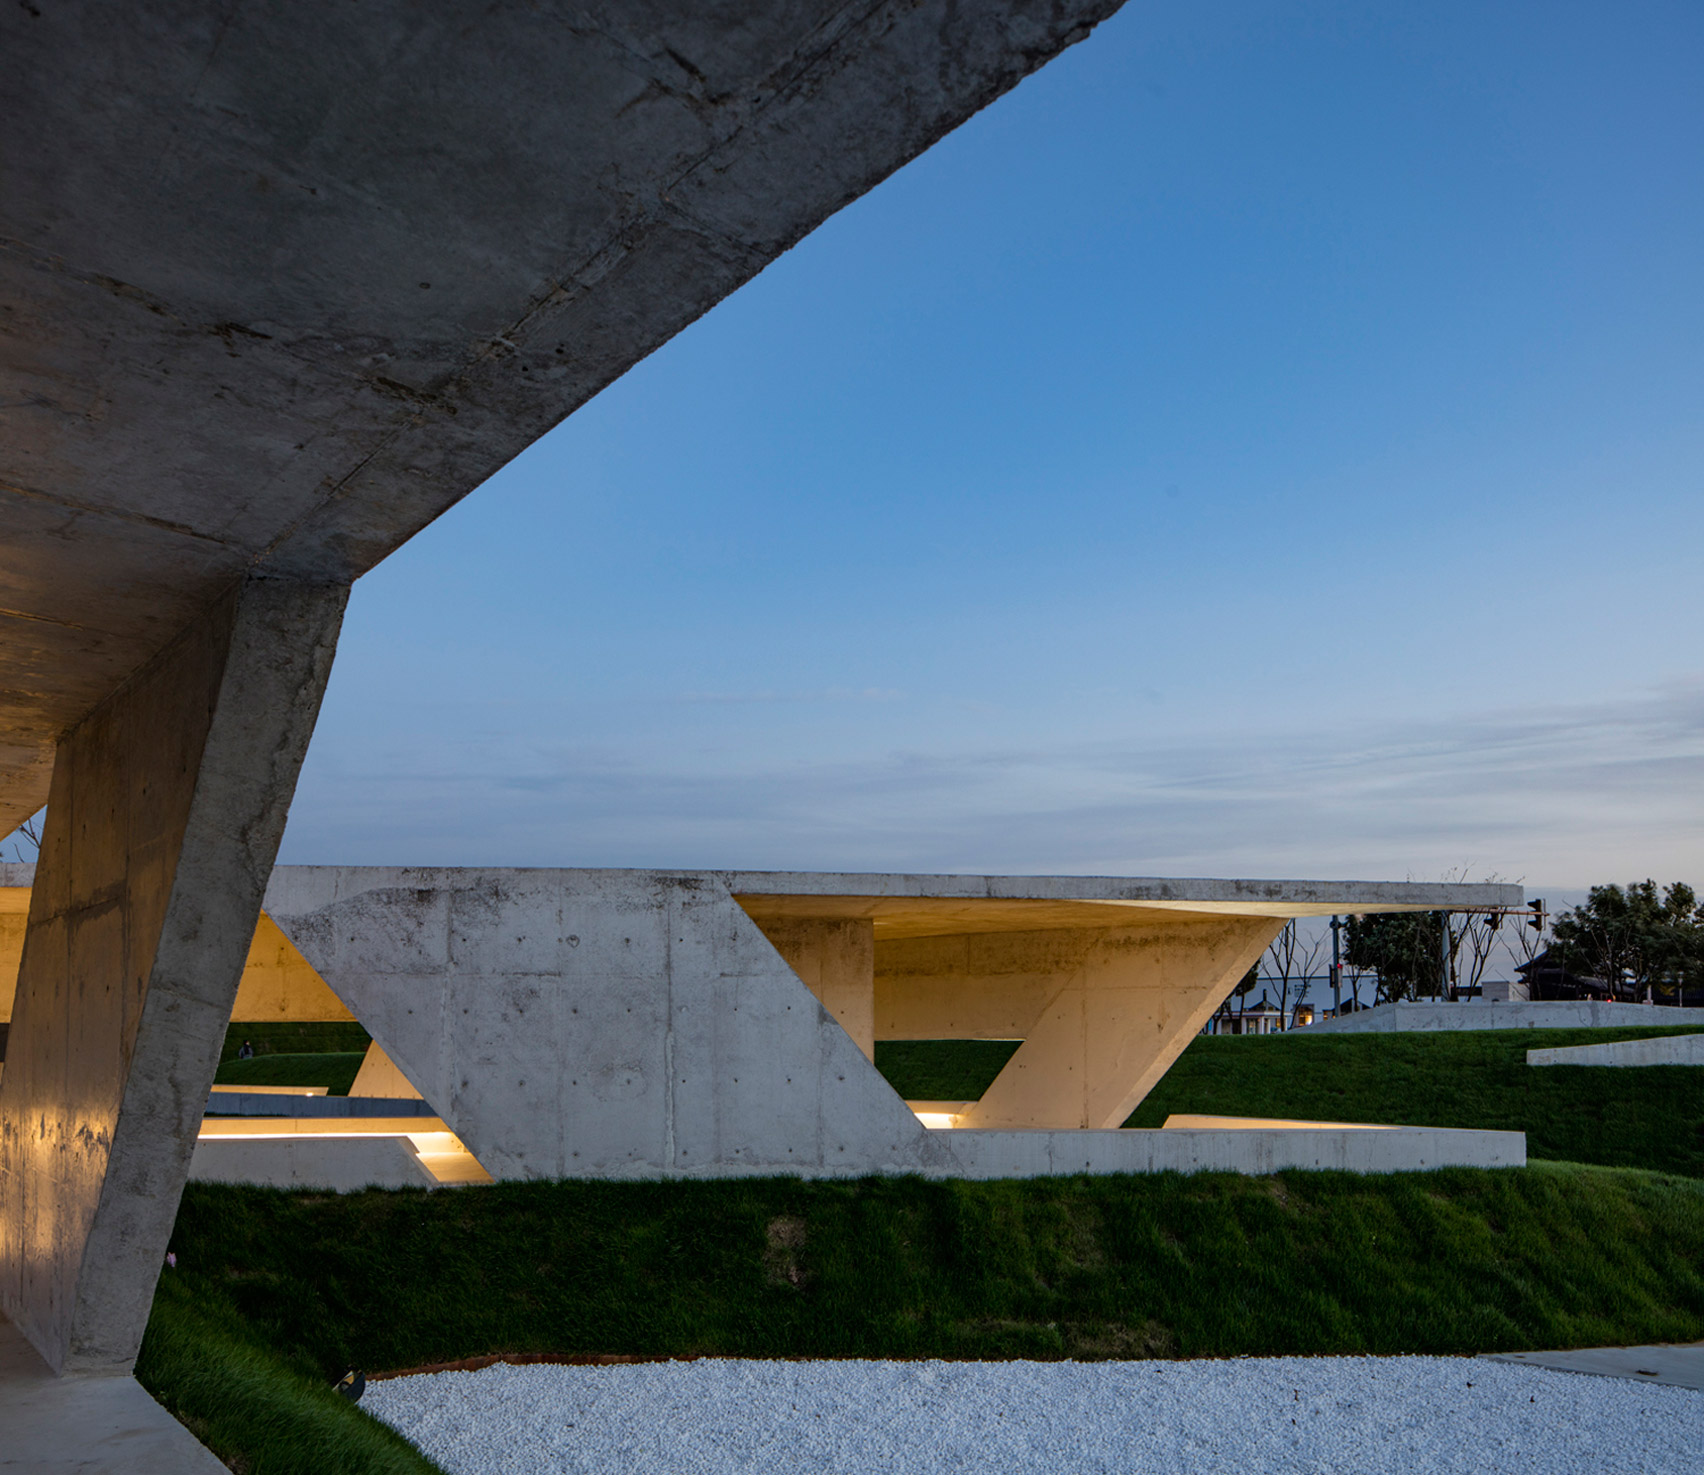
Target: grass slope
(1645,1117)
(335,1071)
(309,1037)
(277,1293)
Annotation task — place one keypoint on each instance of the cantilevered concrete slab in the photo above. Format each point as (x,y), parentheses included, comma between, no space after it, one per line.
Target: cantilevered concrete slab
(283,282)
(710,1023)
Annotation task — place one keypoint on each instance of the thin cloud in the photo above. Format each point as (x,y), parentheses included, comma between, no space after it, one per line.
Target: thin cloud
(1566,794)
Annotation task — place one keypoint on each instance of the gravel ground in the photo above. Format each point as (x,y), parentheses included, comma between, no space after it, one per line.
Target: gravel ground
(1254,1416)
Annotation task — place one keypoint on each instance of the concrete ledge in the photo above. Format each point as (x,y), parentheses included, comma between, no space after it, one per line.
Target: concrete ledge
(1403,1017)
(1251,1150)
(1663,1050)
(335,1164)
(244,1103)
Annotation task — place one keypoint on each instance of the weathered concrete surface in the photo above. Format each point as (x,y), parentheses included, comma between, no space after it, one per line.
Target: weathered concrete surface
(378,1076)
(1504,1016)
(168,804)
(92,1424)
(333,1164)
(1674,1364)
(277,986)
(835,958)
(644,1023)
(14,916)
(983,1154)
(284,282)
(1660,1050)
(598,1023)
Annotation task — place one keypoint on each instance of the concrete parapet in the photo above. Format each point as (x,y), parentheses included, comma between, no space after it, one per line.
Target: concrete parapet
(1658,1050)
(1243,1149)
(1581,1015)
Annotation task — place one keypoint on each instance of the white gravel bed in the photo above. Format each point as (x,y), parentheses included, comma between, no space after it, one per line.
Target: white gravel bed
(1253,1416)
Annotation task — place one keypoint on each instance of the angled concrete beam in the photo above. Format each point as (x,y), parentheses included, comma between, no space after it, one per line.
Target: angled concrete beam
(1112,1025)
(600,1023)
(167,806)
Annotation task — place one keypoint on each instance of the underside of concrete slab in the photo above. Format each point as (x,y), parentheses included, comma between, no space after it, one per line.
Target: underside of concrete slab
(285,282)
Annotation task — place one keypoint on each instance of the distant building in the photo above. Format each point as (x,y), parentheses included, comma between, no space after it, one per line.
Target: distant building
(1263,1018)
(1547,977)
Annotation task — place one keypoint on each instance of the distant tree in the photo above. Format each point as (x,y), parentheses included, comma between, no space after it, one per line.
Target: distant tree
(1635,938)
(1403,948)
(1291,959)
(26,841)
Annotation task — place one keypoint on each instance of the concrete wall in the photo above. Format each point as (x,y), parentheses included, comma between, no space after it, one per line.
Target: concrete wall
(646,1023)
(14,917)
(599,1023)
(279,986)
(1233,1150)
(1658,1050)
(277,983)
(1505,1016)
(166,809)
(835,958)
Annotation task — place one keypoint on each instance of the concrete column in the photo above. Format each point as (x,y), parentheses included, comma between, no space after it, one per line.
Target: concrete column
(163,820)
(1102,1012)
(835,958)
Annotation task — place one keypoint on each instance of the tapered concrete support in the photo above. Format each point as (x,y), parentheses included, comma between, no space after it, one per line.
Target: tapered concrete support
(166,810)
(1115,1008)
(835,958)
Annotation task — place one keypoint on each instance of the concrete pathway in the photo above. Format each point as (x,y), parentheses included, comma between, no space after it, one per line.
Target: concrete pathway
(85,1424)
(1678,1365)
(1657,1050)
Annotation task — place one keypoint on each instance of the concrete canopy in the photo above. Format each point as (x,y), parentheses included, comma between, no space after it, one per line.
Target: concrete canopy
(282,282)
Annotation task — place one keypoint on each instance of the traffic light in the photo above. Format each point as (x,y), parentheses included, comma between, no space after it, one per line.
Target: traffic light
(1536,920)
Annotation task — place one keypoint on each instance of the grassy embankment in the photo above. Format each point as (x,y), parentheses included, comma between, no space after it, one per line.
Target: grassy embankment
(1644,1117)
(294,1055)
(276,1294)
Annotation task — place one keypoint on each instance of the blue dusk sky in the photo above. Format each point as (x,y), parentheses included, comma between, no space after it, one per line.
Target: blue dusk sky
(1267,442)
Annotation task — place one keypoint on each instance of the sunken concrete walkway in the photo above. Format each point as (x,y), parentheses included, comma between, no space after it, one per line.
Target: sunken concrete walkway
(1676,1365)
(93,1423)
(1659,1050)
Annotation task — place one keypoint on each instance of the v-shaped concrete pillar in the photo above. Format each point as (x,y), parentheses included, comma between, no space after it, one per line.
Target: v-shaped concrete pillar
(1102,1012)
(164,818)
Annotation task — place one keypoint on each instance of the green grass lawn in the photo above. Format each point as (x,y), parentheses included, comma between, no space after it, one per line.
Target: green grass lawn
(335,1071)
(1646,1117)
(305,1038)
(276,1293)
